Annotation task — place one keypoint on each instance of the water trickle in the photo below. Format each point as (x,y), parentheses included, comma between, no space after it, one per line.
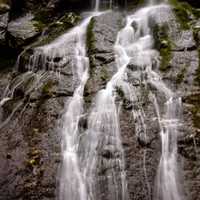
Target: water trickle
(136,45)
(102,139)
(72,181)
(68,48)
(97,2)
(103,3)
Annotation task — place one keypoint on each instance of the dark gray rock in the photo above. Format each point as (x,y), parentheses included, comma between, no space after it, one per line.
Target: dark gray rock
(31,154)
(101,36)
(23,29)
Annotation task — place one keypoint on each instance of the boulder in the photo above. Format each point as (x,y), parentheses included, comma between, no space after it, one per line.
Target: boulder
(22,30)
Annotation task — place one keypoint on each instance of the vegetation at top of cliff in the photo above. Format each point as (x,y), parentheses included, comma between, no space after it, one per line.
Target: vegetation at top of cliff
(184,13)
(164,45)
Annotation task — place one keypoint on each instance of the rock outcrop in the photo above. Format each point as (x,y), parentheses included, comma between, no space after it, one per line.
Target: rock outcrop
(35,97)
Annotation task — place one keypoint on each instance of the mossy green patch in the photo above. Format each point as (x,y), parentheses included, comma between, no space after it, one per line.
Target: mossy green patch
(47,89)
(39,25)
(91,37)
(197,77)
(104,74)
(164,45)
(181,75)
(184,13)
(57,28)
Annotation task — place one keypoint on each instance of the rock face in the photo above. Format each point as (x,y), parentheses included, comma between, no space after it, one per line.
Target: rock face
(181,73)
(23,29)
(30,144)
(101,35)
(3,26)
(30,114)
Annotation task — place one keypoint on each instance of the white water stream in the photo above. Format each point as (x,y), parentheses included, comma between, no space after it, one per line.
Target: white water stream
(78,176)
(72,185)
(137,44)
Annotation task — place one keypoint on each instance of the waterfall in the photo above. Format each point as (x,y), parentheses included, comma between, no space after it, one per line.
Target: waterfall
(79,178)
(97,2)
(107,4)
(70,47)
(72,185)
(136,45)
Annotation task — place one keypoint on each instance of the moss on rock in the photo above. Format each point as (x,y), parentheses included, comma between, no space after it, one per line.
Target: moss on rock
(184,13)
(91,37)
(56,28)
(164,45)
(181,75)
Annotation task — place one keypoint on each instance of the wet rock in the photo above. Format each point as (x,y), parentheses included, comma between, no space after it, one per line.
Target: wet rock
(185,41)
(101,35)
(3,27)
(22,30)
(33,152)
(181,75)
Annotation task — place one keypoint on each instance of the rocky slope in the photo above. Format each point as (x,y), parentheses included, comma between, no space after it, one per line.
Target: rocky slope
(30,140)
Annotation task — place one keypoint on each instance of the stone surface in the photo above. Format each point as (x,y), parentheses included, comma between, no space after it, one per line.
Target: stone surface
(181,76)
(3,27)
(101,35)
(30,141)
(22,30)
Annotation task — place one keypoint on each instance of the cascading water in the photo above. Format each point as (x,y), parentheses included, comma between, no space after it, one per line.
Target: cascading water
(79,172)
(106,3)
(97,2)
(70,47)
(137,45)
(72,185)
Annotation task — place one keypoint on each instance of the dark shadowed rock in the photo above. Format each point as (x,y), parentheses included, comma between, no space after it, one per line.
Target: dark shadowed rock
(3,27)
